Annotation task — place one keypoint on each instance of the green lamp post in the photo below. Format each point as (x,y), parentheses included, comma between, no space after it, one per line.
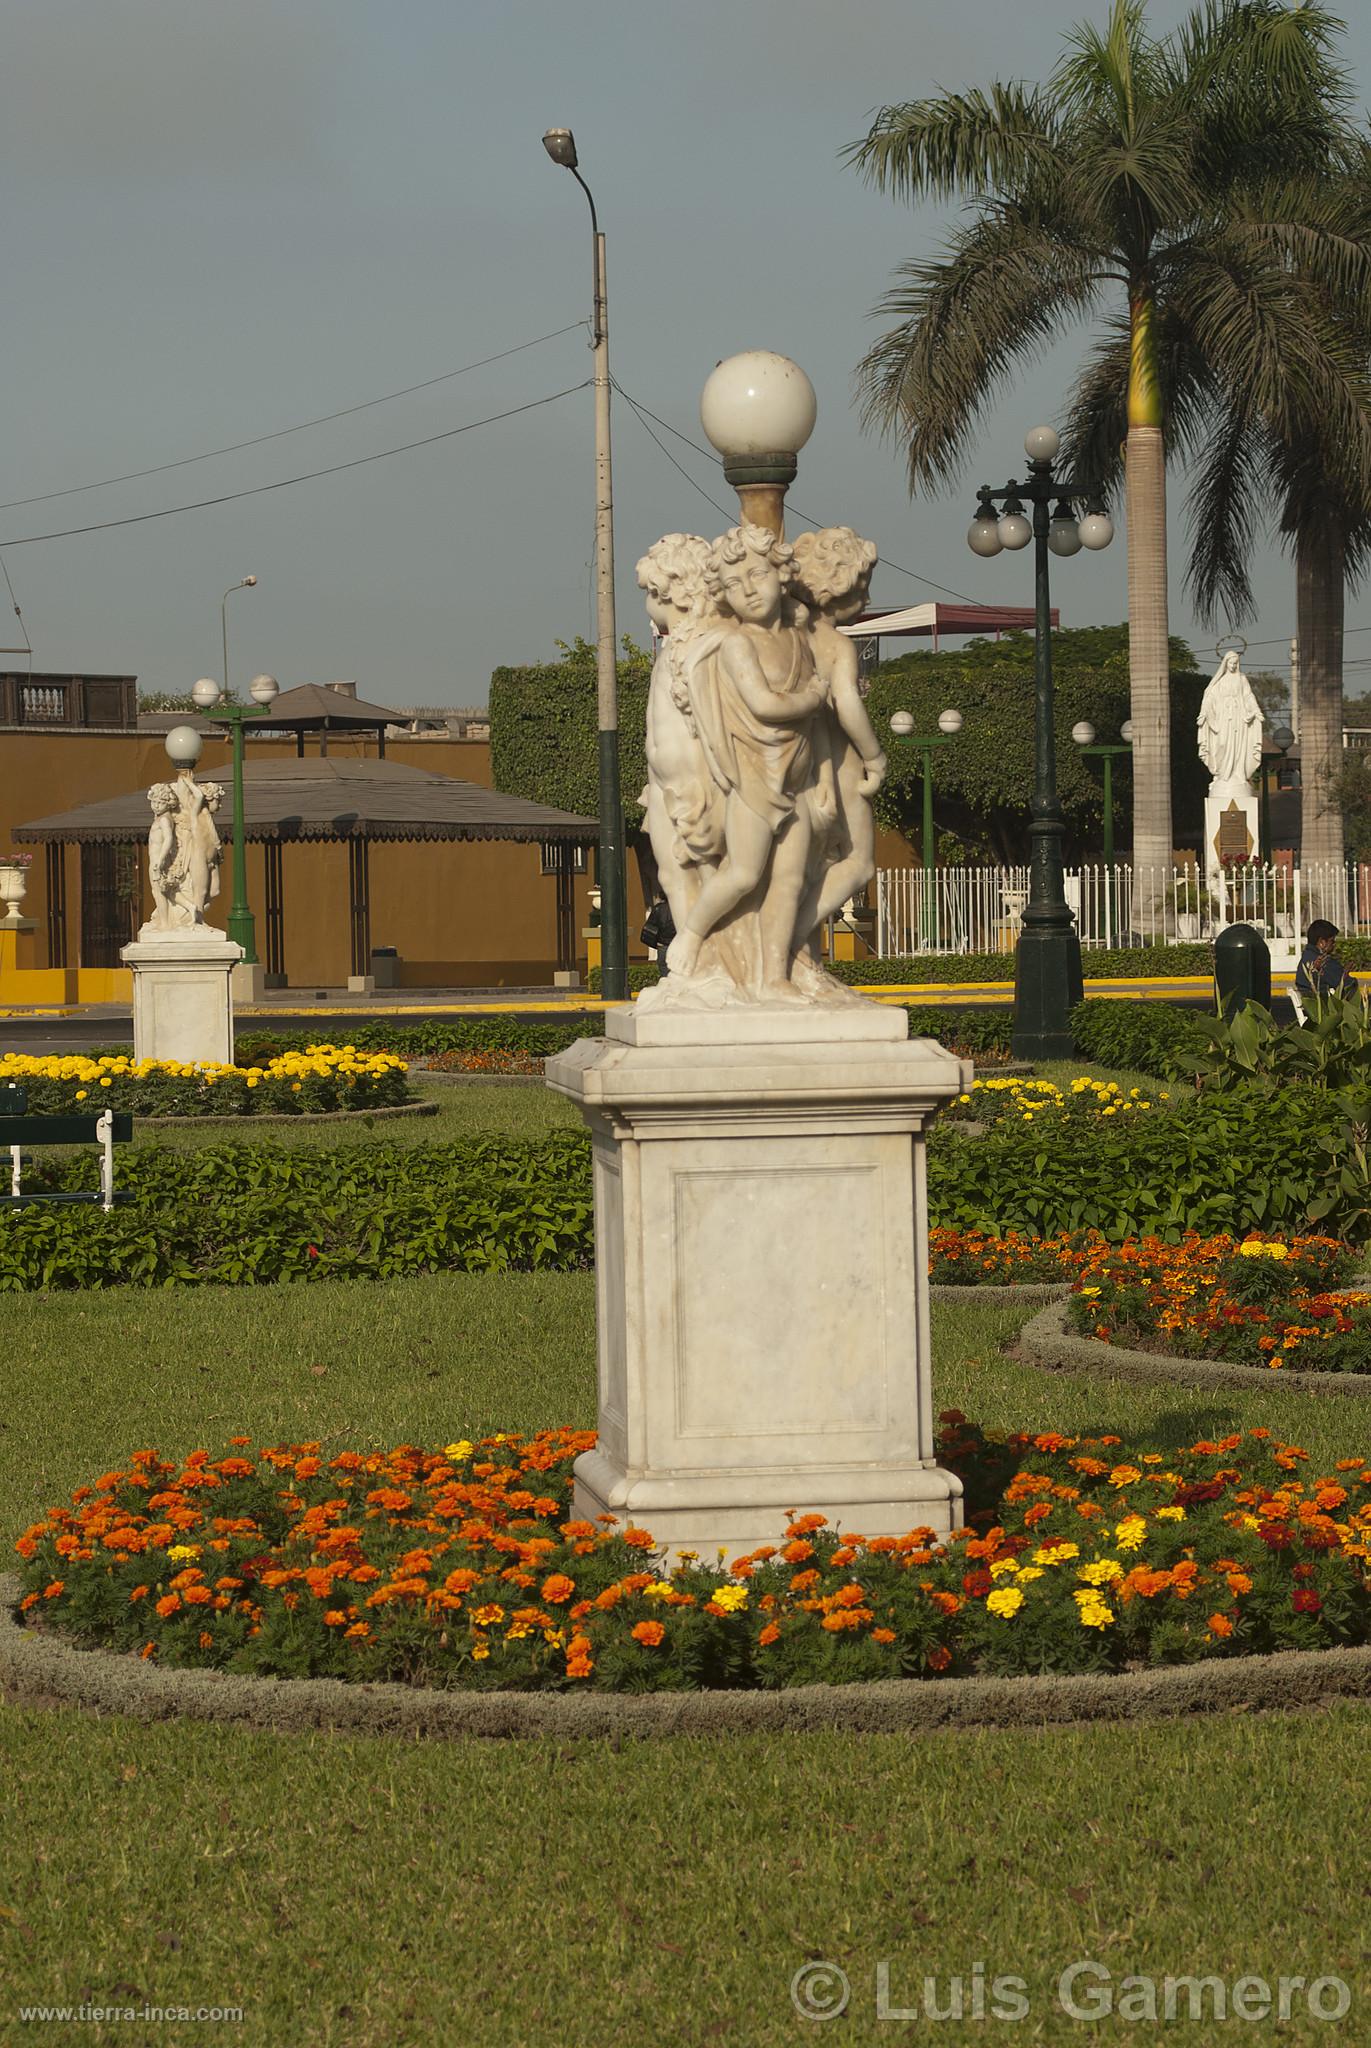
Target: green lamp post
(949,725)
(208,697)
(1084,736)
(1047,966)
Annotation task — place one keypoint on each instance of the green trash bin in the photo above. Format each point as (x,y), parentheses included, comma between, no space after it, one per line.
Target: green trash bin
(1242,969)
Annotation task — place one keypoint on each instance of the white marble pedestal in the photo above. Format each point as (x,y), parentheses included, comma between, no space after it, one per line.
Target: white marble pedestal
(182,999)
(1225,797)
(761,1283)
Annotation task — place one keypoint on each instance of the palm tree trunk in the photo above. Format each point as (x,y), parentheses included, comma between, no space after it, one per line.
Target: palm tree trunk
(1149,665)
(1320,589)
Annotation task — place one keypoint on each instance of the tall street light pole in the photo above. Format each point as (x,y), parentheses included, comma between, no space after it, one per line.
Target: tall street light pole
(560,145)
(248,583)
(1047,969)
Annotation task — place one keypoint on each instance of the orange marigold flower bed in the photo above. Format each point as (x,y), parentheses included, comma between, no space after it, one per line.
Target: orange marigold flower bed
(464,1567)
(1274,1302)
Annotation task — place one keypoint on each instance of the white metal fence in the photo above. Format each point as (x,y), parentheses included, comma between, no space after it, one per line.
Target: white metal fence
(980,910)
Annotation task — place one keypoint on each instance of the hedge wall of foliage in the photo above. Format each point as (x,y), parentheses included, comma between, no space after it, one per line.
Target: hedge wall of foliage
(1108,963)
(983,781)
(543,730)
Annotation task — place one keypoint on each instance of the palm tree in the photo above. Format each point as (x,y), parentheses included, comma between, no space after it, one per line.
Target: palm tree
(1245,421)
(1127,176)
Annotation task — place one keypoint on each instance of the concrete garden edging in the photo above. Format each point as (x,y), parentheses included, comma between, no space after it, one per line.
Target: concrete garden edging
(48,1671)
(1047,1342)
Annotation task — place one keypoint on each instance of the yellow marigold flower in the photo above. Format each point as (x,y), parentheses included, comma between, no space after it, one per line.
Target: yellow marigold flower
(1056,1553)
(1129,1533)
(178,1551)
(1170,1514)
(729,1599)
(461,1449)
(1027,1572)
(1102,1573)
(1006,1601)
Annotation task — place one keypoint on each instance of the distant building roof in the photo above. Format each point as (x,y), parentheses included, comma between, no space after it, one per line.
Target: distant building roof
(337,799)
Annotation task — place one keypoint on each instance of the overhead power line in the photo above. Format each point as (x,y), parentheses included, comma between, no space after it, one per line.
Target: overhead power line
(346,412)
(308,476)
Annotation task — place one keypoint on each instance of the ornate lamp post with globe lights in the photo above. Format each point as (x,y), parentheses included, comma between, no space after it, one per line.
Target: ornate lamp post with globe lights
(1282,739)
(1084,736)
(1047,971)
(949,725)
(208,698)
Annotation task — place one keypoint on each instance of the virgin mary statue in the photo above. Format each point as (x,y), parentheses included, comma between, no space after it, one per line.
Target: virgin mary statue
(1230,725)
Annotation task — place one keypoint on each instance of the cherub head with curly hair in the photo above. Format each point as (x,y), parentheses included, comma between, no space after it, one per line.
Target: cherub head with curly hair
(672,576)
(833,571)
(748,571)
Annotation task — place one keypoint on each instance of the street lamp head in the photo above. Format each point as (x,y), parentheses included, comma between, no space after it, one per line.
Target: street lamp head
(1097,528)
(184,746)
(1284,738)
(1014,530)
(902,724)
(264,689)
(248,583)
(949,722)
(560,145)
(757,406)
(1083,733)
(1040,444)
(1064,535)
(1126,732)
(983,534)
(206,694)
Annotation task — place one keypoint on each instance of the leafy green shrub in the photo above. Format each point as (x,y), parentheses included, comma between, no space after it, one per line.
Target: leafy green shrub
(641,974)
(1330,1049)
(1146,1038)
(252,1214)
(1219,1164)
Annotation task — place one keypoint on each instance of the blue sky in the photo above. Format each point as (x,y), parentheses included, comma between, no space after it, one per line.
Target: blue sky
(224,220)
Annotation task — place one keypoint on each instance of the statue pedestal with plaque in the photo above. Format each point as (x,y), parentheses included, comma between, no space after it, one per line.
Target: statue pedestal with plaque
(1231,828)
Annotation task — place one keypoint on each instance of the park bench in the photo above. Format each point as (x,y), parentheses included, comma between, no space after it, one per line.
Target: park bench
(18,1128)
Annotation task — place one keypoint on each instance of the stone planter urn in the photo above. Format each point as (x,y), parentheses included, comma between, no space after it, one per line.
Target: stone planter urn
(14,882)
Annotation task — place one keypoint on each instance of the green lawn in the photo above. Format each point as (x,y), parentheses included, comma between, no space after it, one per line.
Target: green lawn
(357,1891)
(517,1109)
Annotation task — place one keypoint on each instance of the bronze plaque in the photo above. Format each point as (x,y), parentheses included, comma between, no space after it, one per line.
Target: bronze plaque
(1234,840)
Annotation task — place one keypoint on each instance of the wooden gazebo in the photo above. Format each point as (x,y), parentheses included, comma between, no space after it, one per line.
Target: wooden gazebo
(359,802)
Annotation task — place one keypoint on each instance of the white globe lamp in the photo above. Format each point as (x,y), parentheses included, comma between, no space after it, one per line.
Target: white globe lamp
(184,746)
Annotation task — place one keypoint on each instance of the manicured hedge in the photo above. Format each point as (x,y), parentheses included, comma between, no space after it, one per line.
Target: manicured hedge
(1147,1038)
(1219,1164)
(1107,963)
(256,1213)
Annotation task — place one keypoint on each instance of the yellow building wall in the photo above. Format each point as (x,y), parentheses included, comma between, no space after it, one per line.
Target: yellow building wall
(459,913)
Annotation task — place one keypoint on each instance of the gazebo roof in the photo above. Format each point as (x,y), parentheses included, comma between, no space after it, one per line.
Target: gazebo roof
(314,707)
(336,799)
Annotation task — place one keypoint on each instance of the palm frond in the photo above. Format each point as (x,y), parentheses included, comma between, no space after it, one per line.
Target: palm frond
(979,142)
(1229,503)
(1004,288)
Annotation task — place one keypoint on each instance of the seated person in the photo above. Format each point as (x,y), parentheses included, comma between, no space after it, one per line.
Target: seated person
(1320,972)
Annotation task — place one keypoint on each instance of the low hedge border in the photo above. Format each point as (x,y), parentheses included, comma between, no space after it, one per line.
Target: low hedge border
(1001,1297)
(38,1669)
(1047,1342)
(305,1116)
